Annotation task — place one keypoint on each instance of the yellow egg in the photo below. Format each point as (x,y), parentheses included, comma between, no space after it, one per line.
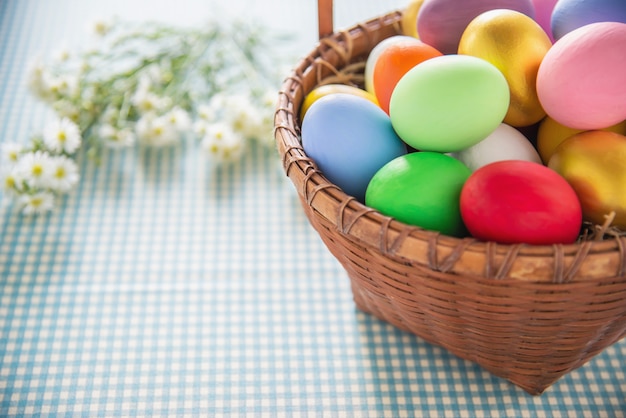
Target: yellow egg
(327,89)
(594,164)
(551,133)
(408,23)
(516,45)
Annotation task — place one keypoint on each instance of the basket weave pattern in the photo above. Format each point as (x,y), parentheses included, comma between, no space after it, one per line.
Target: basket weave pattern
(529,314)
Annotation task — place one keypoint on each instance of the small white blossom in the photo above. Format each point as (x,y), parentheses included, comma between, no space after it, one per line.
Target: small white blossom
(66,109)
(10,153)
(201,127)
(160,73)
(265,133)
(62,135)
(100,27)
(156,131)
(207,112)
(12,182)
(179,119)
(222,144)
(268,104)
(146,102)
(64,86)
(64,174)
(39,202)
(34,168)
(269,99)
(116,138)
(62,54)
(244,117)
(37,80)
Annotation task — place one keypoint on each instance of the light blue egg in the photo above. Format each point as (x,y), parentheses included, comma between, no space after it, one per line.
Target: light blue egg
(350,139)
(572,14)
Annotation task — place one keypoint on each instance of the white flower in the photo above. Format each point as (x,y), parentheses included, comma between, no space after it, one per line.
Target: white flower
(64,174)
(12,182)
(222,144)
(64,86)
(156,131)
(100,27)
(62,54)
(159,73)
(35,168)
(37,79)
(179,119)
(62,135)
(146,102)
(116,138)
(37,203)
(243,116)
(207,112)
(265,133)
(201,127)
(66,109)
(10,153)
(269,99)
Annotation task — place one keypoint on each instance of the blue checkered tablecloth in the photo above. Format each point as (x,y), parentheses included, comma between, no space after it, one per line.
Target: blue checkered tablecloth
(162,288)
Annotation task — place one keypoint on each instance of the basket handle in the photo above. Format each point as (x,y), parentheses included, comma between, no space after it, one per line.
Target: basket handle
(325,17)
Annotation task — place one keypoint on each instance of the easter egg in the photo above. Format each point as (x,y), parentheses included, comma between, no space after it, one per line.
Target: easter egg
(441,23)
(421,189)
(448,103)
(572,14)
(327,89)
(516,45)
(520,202)
(581,82)
(408,21)
(370,63)
(551,133)
(594,164)
(505,143)
(350,139)
(394,62)
(543,15)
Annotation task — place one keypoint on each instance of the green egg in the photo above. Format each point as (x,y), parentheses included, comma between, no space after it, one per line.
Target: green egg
(421,189)
(449,103)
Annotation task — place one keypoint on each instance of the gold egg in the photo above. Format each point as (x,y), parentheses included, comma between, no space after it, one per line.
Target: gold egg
(594,164)
(408,23)
(516,45)
(551,133)
(326,89)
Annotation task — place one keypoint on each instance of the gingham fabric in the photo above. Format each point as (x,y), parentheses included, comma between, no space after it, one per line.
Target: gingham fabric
(161,288)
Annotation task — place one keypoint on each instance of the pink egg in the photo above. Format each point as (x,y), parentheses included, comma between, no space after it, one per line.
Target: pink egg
(543,15)
(440,23)
(581,82)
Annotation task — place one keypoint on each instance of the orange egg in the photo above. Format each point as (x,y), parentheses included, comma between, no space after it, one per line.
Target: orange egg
(395,61)
(551,133)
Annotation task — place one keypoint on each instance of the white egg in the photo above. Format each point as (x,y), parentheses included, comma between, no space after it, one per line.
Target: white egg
(505,143)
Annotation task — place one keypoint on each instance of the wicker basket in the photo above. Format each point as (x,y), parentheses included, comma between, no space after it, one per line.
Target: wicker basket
(529,314)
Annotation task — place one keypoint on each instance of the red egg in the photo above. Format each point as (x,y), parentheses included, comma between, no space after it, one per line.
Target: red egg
(520,202)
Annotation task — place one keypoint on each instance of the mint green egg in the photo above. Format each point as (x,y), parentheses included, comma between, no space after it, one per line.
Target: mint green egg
(421,189)
(449,103)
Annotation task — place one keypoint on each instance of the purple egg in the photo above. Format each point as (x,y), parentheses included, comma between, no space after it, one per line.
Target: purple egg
(543,15)
(572,14)
(441,23)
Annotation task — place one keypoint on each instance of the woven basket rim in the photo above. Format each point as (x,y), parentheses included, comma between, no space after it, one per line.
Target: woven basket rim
(367,225)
